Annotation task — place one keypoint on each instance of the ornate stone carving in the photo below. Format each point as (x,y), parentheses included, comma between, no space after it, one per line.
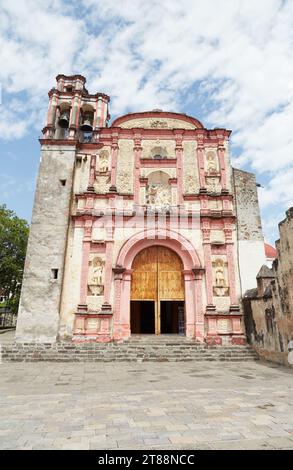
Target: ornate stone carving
(96,276)
(213,184)
(220,288)
(102,184)
(158,195)
(190,170)
(124,181)
(165,148)
(158,123)
(211,163)
(125,167)
(104,161)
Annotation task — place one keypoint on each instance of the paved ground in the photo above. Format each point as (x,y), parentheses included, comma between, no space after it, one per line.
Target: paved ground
(145,406)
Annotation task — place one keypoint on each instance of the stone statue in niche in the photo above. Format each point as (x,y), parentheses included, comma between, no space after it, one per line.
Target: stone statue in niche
(104,161)
(96,277)
(220,288)
(211,163)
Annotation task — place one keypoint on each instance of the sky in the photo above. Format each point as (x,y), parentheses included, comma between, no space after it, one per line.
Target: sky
(228,63)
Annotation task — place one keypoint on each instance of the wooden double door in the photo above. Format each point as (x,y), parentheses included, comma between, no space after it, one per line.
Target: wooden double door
(157,278)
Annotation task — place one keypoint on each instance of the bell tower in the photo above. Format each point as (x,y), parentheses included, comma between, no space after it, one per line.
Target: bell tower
(74,117)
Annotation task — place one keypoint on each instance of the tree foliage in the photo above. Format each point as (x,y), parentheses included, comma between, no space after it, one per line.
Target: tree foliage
(13,241)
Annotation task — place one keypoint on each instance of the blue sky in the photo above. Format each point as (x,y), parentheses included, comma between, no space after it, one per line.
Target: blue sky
(228,63)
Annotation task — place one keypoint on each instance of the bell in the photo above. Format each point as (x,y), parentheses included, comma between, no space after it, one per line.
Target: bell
(64,120)
(86,125)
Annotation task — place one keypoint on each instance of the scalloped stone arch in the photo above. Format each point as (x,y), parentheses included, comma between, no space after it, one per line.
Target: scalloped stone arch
(168,238)
(194,316)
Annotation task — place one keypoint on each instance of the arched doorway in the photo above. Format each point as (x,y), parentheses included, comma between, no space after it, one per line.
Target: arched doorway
(157,292)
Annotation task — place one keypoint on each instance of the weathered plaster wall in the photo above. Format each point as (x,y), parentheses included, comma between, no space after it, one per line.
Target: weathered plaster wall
(251,254)
(269,308)
(38,316)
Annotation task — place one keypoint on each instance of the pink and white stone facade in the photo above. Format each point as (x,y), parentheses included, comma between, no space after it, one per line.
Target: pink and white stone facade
(150,178)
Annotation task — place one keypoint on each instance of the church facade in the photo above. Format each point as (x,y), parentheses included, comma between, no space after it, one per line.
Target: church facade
(138,227)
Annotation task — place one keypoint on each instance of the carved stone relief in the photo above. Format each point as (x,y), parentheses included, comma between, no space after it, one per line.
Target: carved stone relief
(103,165)
(96,276)
(125,166)
(102,184)
(158,190)
(220,284)
(151,148)
(213,184)
(190,169)
(211,163)
(124,181)
(163,123)
(158,195)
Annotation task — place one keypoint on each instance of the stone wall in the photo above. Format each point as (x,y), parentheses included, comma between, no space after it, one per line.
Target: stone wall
(38,316)
(268,309)
(251,252)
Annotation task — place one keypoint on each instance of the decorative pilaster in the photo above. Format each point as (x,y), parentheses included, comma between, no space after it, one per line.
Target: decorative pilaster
(82,307)
(97,116)
(125,304)
(231,266)
(179,159)
(74,116)
(221,156)
(52,109)
(108,264)
(114,156)
(118,276)
(189,303)
(137,155)
(199,313)
(206,231)
(200,160)
(92,173)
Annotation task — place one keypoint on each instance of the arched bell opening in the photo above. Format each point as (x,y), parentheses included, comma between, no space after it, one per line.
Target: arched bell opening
(62,121)
(86,122)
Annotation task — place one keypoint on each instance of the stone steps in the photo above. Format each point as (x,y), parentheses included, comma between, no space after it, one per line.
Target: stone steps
(134,350)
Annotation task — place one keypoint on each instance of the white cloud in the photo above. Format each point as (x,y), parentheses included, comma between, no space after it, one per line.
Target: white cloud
(237,54)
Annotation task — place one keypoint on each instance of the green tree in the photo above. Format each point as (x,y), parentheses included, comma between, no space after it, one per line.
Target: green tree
(13,241)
